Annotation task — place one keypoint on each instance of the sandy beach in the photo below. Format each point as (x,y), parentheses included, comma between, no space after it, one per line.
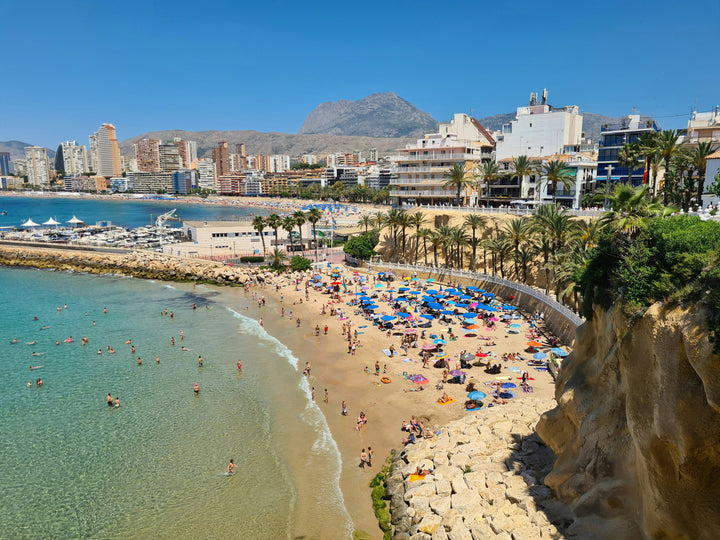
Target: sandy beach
(351,378)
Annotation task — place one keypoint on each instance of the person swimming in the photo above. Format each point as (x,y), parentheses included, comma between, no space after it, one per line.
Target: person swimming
(109,400)
(231,467)
(196,388)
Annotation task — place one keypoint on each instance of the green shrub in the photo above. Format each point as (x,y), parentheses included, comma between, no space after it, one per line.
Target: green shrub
(299,263)
(361,246)
(252,259)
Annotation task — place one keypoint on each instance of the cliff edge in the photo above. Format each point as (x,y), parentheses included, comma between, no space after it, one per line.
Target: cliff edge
(637,427)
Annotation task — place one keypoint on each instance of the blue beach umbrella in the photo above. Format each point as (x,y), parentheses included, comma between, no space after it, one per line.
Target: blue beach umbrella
(387,318)
(378,286)
(431,291)
(414,292)
(515,325)
(428,317)
(559,351)
(403,314)
(447,312)
(472,288)
(490,308)
(508,385)
(465,297)
(403,289)
(461,305)
(431,279)
(439,342)
(477,394)
(509,307)
(539,356)
(470,315)
(372,306)
(434,305)
(489,295)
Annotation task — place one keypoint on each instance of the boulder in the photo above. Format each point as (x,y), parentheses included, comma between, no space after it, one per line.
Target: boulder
(429,524)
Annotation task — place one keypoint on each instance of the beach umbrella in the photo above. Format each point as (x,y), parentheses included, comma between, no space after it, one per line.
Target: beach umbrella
(472,288)
(372,307)
(507,394)
(335,283)
(539,356)
(414,279)
(439,342)
(470,315)
(506,316)
(427,316)
(508,385)
(75,221)
(410,331)
(490,308)
(434,305)
(378,286)
(534,344)
(414,292)
(477,394)
(450,302)
(473,304)
(358,294)
(428,347)
(461,305)
(482,355)
(509,308)
(401,299)
(514,325)
(447,312)
(404,315)
(441,356)
(51,221)
(489,295)
(431,291)
(364,288)
(559,351)
(457,372)
(387,318)
(403,289)
(30,223)
(472,327)
(465,297)
(431,279)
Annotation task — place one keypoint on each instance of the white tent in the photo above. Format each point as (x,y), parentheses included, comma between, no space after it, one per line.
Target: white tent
(75,221)
(51,221)
(30,223)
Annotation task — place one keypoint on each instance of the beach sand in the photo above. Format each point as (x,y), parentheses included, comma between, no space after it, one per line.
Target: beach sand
(385,405)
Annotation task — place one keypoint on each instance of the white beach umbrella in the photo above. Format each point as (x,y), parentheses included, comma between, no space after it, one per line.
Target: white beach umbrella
(51,221)
(75,221)
(30,223)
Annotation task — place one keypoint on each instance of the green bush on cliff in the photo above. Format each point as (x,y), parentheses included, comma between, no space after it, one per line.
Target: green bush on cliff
(674,260)
(362,246)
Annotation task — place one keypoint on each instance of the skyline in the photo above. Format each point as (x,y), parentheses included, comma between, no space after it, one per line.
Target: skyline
(149,67)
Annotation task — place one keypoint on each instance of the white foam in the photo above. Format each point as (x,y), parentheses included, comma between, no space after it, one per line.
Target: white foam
(312,415)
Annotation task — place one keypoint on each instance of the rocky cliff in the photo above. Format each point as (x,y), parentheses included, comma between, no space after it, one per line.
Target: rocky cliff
(377,115)
(637,427)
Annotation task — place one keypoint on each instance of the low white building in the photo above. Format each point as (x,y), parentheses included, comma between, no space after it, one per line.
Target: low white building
(711,171)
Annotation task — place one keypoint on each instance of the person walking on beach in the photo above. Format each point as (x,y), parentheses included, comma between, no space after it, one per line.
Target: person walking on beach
(344,408)
(370,456)
(363,459)
(326,395)
(312,393)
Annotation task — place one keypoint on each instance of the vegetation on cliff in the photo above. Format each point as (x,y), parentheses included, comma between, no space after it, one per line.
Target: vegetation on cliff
(672,259)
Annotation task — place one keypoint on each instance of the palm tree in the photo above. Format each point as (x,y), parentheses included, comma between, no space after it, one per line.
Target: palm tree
(459,239)
(258,224)
(300,219)
(423,234)
(544,247)
(667,148)
(392,221)
(288,223)
(522,167)
(517,231)
(277,257)
(629,207)
(456,178)
(525,255)
(500,248)
(556,224)
(417,220)
(556,172)
(475,222)
(274,222)
(488,172)
(445,233)
(403,222)
(435,242)
(647,145)
(627,157)
(699,160)
(313,216)
(366,221)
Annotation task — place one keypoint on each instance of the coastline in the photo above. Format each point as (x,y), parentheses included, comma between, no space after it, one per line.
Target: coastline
(386,405)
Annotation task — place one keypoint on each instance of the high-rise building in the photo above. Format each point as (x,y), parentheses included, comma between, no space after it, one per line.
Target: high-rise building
(170,159)
(206,174)
(19,167)
(107,151)
(5,163)
(188,151)
(38,165)
(93,153)
(240,149)
(71,158)
(373,155)
(277,163)
(147,153)
(221,157)
(310,159)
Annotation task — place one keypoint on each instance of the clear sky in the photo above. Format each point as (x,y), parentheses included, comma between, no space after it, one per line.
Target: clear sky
(68,66)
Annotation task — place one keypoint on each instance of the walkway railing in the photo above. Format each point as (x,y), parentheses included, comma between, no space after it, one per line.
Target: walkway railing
(509,210)
(535,293)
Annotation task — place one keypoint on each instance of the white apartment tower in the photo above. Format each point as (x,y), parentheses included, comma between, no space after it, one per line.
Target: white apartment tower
(540,129)
(206,173)
(107,151)
(71,158)
(38,165)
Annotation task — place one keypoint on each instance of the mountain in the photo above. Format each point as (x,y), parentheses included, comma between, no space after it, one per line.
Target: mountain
(257,142)
(17,149)
(377,115)
(591,123)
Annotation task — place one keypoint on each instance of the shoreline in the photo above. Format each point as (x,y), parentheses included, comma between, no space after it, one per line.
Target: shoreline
(386,405)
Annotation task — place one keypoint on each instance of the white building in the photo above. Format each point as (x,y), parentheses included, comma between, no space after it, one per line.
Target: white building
(704,127)
(206,174)
(540,130)
(106,151)
(252,187)
(277,163)
(38,165)
(712,170)
(19,167)
(310,159)
(71,158)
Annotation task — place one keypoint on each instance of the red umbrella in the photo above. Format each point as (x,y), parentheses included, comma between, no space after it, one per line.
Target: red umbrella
(482,355)
(428,347)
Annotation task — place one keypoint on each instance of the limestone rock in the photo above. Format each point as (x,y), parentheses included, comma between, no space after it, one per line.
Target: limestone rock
(429,524)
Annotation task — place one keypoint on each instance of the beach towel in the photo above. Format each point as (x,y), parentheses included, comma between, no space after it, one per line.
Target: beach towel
(502,378)
(414,477)
(407,360)
(386,352)
(363,326)
(541,368)
(418,379)
(514,369)
(451,400)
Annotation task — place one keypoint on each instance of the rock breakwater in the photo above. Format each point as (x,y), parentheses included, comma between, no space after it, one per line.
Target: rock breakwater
(486,480)
(141,264)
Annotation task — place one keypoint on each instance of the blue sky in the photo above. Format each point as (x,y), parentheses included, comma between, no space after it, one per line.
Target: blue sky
(143,65)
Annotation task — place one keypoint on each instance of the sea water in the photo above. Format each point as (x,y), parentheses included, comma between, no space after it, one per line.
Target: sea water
(127,213)
(73,467)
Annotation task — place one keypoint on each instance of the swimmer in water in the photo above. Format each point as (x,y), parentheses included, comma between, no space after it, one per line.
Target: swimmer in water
(200,361)
(196,388)
(117,402)
(231,467)
(109,399)
(239,364)
(184,348)
(172,341)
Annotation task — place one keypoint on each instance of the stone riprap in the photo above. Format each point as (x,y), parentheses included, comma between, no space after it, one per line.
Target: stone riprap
(486,481)
(142,264)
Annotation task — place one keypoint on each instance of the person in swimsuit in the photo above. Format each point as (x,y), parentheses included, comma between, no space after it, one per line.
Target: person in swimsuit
(117,402)
(231,467)
(196,388)
(109,400)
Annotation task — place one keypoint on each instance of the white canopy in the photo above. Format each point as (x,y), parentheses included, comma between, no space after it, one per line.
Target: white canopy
(75,220)
(30,223)
(51,221)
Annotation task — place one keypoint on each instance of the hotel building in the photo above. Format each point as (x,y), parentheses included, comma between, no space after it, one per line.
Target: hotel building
(170,159)
(612,138)
(421,167)
(107,151)
(147,154)
(221,158)
(38,165)
(71,158)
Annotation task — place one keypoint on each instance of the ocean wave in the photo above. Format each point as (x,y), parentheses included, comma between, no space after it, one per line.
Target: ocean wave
(312,415)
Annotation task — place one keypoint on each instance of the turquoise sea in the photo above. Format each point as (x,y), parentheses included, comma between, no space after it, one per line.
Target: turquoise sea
(128,213)
(72,467)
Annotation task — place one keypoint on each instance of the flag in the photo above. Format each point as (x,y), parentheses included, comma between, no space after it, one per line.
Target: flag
(645,173)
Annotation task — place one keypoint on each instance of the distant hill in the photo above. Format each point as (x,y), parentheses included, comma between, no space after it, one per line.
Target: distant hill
(591,123)
(257,142)
(377,115)
(17,149)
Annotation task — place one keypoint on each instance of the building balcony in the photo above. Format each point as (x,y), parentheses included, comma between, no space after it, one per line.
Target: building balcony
(437,156)
(424,193)
(413,170)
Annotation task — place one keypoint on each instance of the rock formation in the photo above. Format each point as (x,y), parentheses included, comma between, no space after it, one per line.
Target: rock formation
(486,480)
(637,427)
